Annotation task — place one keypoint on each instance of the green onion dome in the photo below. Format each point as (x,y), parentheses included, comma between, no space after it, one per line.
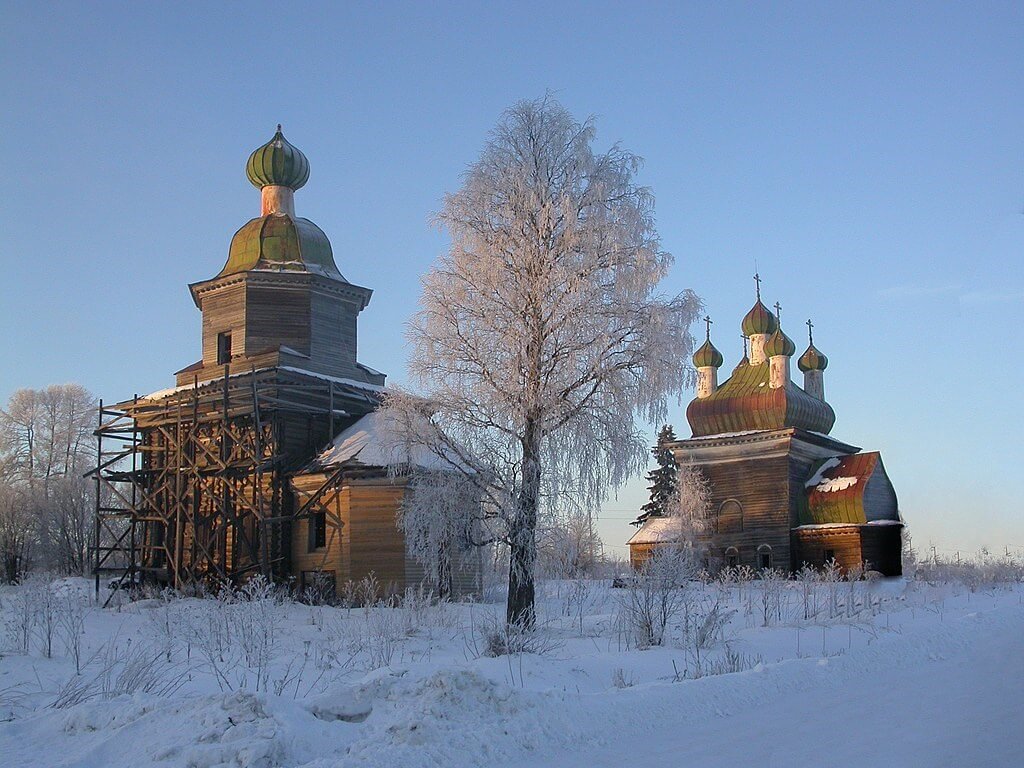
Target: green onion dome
(779,344)
(277,163)
(812,360)
(759,320)
(708,356)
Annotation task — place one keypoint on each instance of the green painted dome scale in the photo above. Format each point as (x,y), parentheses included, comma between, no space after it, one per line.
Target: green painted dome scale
(759,320)
(278,163)
(281,243)
(779,344)
(812,360)
(707,356)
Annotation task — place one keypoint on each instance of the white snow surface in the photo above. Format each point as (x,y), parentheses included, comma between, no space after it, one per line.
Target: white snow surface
(160,394)
(375,441)
(819,474)
(656,530)
(831,485)
(917,674)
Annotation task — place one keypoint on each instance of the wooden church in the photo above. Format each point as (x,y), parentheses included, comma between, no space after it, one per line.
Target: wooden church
(784,492)
(232,472)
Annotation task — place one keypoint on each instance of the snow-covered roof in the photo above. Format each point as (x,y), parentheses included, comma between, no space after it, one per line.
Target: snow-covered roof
(161,394)
(657,530)
(850,489)
(376,440)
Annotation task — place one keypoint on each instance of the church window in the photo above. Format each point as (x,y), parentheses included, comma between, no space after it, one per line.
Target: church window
(732,557)
(830,555)
(317,530)
(730,517)
(223,347)
(764,557)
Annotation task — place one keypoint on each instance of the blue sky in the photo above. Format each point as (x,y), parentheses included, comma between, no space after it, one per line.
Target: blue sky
(867,157)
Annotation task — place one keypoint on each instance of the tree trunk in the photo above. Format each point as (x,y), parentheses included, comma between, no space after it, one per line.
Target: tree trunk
(444,572)
(523,538)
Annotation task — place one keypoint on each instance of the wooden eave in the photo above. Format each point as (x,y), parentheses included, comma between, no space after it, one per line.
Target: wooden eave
(356,294)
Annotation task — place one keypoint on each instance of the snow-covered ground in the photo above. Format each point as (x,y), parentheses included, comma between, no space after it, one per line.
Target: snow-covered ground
(906,673)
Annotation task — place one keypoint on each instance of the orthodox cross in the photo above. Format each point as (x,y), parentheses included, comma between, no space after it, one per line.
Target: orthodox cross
(744,337)
(707,322)
(778,312)
(810,332)
(757,282)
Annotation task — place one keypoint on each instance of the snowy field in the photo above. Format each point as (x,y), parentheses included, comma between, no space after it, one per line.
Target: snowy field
(918,672)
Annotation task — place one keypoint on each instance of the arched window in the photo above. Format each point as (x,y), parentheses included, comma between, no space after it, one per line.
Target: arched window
(764,557)
(732,557)
(730,517)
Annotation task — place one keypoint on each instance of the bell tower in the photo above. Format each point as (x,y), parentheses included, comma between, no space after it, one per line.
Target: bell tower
(280,299)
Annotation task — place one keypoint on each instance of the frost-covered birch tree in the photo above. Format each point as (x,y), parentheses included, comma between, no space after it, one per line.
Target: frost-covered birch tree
(689,506)
(542,339)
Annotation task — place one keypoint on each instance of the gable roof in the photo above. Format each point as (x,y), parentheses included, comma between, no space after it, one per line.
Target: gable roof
(657,530)
(375,440)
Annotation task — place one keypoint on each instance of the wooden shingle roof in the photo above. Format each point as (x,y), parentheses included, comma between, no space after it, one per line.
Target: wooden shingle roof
(745,402)
(849,489)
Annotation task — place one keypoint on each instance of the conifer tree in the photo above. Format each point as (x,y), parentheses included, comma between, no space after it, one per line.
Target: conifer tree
(663,478)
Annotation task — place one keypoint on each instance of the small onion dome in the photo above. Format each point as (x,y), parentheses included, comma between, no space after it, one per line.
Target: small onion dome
(812,360)
(708,356)
(759,320)
(779,344)
(277,163)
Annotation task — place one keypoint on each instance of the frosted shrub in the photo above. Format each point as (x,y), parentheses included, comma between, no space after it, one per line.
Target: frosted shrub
(578,600)
(368,591)
(620,679)
(831,576)
(773,589)
(46,605)
(728,663)
(655,595)
(71,627)
(707,623)
(257,618)
(122,670)
(421,608)
(808,578)
(853,575)
(493,638)
(20,620)
(383,634)
(165,620)
(319,591)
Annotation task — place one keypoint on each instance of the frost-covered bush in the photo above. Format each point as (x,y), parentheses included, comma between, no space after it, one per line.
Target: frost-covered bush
(656,594)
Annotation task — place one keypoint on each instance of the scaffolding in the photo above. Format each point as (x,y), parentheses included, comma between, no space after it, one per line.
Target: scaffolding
(192,483)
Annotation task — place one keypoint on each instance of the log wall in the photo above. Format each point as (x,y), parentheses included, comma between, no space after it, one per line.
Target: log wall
(754,495)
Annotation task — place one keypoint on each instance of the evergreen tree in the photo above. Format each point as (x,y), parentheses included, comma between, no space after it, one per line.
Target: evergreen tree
(662,478)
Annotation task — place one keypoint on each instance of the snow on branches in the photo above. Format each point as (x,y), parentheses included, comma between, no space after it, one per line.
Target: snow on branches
(541,337)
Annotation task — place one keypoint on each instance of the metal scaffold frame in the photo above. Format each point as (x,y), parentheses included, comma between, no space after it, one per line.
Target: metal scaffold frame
(192,484)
